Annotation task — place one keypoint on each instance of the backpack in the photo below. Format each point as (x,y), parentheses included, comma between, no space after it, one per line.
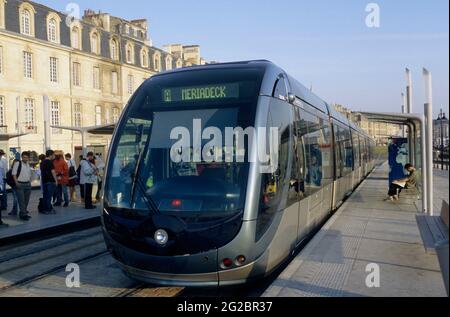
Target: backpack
(72,172)
(9,176)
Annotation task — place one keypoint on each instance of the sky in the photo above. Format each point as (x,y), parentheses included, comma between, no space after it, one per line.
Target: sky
(325,44)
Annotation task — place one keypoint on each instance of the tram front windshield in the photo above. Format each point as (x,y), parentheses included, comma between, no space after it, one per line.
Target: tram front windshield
(172,152)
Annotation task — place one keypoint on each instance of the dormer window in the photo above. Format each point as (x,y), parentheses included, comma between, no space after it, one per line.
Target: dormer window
(26,22)
(76,37)
(2,14)
(144,58)
(53,22)
(157,61)
(95,42)
(52,30)
(168,62)
(114,49)
(129,53)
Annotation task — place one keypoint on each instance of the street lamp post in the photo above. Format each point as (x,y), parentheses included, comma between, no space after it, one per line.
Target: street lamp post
(442,140)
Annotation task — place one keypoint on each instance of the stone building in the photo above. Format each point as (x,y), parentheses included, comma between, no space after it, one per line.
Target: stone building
(85,70)
(380,131)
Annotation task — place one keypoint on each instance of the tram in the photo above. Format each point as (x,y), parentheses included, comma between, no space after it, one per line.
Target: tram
(180,211)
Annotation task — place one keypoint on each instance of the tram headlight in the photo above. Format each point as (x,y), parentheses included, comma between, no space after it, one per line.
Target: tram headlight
(161,237)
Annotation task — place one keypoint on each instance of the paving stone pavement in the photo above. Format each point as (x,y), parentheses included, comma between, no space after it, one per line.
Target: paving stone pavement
(365,233)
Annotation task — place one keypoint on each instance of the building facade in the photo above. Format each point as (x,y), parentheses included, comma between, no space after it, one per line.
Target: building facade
(380,131)
(440,131)
(84,70)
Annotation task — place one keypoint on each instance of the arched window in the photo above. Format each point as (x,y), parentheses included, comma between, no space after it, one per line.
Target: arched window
(157,62)
(76,37)
(168,62)
(26,16)
(52,30)
(114,49)
(130,53)
(179,63)
(26,22)
(2,14)
(95,43)
(144,58)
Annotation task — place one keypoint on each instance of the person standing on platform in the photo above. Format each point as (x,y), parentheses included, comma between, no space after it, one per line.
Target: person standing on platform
(3,171)
(89,176)
(21,173)
(15,209)
(73,177)
(79,180)
(2,224)
(49,181)
(62,172)
(101,172)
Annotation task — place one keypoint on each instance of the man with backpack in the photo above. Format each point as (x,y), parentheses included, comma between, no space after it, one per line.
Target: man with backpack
(21,173)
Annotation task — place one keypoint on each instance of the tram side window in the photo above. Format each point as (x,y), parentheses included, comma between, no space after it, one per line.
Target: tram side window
(344,140)
(280,89)
(318,152)
(356,150)
(348,151)
(364,146)
(339,152)
(274,195)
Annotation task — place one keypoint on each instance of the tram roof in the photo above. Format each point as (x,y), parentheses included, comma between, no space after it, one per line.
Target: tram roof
(273,70)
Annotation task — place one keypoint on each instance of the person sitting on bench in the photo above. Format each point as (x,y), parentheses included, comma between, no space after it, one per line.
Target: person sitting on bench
(398,185)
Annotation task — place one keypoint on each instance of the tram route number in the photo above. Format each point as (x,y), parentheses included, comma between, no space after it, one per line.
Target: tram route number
(226,307)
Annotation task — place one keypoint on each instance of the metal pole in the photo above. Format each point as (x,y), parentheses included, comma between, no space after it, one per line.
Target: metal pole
(409,108)
(18,121)
(83,143)
(46,116)
(429,135)
(403,112)
(442,140)
(423,130)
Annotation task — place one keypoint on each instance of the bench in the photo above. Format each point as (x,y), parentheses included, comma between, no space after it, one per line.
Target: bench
(434,232)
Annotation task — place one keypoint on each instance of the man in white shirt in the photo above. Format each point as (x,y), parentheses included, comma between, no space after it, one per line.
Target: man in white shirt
(3,171)
(21,173)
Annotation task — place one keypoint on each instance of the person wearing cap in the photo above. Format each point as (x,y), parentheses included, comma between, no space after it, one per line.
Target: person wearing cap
(3,171)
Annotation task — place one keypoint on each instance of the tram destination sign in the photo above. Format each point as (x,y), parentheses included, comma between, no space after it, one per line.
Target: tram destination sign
(201,93)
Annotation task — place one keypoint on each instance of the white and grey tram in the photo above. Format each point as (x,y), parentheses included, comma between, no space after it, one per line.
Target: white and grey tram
(209,221)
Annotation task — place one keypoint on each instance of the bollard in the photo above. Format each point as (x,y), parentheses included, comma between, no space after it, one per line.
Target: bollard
(442,253)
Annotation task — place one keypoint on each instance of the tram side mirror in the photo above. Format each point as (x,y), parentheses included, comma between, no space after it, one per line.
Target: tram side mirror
(291,97)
